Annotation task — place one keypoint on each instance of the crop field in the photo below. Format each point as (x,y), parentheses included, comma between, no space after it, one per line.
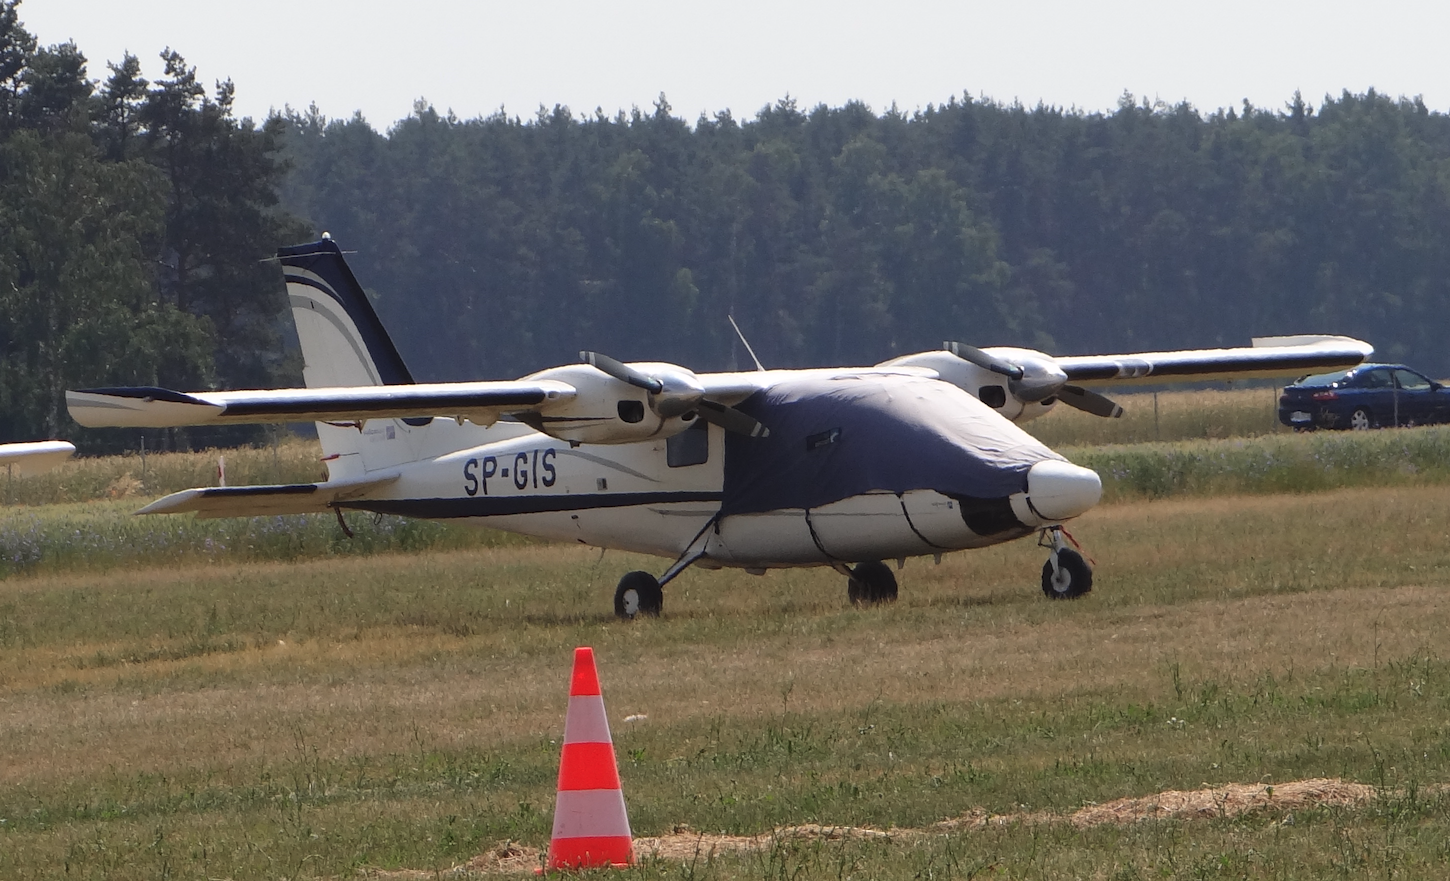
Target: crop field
(1256,688)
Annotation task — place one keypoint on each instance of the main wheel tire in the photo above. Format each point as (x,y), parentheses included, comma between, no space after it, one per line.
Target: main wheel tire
(638,594)
(871,583)
(1360,420)
(1073,578)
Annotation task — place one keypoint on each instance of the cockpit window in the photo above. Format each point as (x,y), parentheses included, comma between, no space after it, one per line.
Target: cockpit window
(689,447)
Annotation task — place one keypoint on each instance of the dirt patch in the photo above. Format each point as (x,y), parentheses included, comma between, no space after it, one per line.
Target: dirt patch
(1232,800)
(1226,801)
(685,844)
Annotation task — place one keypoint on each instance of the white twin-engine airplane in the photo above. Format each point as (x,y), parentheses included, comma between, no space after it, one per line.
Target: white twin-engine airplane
(840,467)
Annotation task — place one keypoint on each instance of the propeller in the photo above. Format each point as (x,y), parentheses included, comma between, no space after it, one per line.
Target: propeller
(732,419)
(623,372)
(675,393)
(1079,398)
(1035,379)
(976,356)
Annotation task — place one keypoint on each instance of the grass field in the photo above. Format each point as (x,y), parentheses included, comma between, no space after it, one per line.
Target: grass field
(397,713)
(1148,417)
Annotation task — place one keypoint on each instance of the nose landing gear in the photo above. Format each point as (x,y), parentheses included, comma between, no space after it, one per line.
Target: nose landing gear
(1065,575)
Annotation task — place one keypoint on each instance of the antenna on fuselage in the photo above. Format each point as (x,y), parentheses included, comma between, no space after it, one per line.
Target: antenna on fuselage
(758,365)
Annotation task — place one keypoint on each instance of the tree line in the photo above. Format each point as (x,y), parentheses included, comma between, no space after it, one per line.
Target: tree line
(136,219)
(501,245)
(133,217)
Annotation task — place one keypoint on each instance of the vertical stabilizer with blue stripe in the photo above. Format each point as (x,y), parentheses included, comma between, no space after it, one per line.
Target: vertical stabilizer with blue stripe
(343,342)
(344,345)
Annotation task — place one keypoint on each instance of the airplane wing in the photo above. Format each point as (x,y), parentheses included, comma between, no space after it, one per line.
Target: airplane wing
(480,402)
(1267,357)
(24,460)
(265,501)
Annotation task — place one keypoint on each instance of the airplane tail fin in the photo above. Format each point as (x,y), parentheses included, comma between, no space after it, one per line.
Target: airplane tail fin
(343,342)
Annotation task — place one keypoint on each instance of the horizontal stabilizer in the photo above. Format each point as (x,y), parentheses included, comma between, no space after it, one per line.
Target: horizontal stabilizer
(480,402)
(265,501)
(23,460)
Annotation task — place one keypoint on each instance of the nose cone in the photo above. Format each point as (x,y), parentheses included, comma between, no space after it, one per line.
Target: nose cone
(1061,490)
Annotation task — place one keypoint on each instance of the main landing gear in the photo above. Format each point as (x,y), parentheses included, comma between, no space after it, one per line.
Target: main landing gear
(1065,575)
(638,594)
(869,583)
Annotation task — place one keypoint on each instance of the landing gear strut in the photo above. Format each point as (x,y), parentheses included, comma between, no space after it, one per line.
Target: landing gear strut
(1065,575)
(871,583)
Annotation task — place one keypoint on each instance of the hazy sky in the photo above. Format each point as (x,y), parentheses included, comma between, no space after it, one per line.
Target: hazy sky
(475,57)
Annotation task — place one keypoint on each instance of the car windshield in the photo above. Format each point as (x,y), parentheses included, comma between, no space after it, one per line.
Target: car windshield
(1323,378)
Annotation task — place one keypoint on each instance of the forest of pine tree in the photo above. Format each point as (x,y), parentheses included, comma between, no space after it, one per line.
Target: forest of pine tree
(137,218)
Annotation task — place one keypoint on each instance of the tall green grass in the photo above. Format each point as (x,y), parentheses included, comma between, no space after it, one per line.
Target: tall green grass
(1161,417)
(1310,462)
(147,475)
(105,535)
(59,529)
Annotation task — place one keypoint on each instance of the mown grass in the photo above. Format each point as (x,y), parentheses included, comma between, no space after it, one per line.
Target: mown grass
(319,717)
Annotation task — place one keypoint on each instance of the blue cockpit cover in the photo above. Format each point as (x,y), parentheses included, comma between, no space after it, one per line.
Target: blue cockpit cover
(832,438)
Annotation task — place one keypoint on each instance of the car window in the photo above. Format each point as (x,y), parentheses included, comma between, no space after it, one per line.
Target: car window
(1375,379)
(1411,381)
(1322,378)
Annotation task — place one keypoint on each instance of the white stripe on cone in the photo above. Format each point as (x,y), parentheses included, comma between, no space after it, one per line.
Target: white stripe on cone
(585,721)
(589,813)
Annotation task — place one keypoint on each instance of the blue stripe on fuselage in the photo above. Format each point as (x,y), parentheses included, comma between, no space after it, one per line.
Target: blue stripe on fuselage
(498,506)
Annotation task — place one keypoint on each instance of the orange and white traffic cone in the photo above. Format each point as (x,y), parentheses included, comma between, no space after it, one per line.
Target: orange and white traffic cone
(591,828)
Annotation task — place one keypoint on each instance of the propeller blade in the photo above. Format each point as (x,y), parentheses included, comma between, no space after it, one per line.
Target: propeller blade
(622,372)
(731,419)
(1079,398)
(976,356)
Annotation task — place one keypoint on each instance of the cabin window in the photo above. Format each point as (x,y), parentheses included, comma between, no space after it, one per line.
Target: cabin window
(689,447)
(993,396)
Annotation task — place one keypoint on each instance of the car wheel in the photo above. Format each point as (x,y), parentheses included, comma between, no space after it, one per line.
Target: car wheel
(1359,420)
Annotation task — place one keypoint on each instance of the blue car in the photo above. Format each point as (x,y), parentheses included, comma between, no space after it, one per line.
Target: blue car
(1367,396)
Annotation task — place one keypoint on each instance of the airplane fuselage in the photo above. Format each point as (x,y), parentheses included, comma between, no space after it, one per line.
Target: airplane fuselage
(670,495)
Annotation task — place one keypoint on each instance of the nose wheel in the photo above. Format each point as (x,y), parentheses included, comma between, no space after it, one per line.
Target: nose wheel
(1065,575)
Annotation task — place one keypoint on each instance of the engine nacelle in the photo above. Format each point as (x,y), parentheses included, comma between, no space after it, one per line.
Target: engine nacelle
(605,410)
(1014,399)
